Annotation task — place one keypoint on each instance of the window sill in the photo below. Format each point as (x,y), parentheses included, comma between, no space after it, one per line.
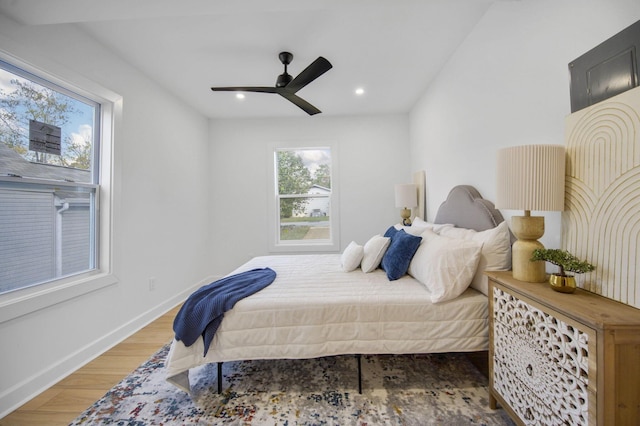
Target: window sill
(306,247)
(22,302)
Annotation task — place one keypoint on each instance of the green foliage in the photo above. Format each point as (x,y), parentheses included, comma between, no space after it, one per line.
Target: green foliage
(293,178)
(30,101)
(563,259)
(293,232)
(322,176)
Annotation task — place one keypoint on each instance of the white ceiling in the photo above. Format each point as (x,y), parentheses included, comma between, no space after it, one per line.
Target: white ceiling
(392,49)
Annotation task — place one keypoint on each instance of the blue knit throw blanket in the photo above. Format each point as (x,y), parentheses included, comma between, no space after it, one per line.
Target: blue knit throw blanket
(203,311)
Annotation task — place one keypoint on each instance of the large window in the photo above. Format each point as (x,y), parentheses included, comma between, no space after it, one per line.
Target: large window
(49,187)
(304,199)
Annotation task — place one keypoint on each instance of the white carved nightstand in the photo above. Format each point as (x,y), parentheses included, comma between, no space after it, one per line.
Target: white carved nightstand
(559,358)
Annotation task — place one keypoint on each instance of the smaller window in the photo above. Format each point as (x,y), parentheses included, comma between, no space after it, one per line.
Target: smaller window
(304,196)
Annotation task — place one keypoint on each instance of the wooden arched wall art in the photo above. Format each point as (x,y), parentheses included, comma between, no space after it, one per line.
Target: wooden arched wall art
(601,221)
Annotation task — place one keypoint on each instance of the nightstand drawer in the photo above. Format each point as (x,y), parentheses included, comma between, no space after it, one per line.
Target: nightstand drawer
(529,408)
(523,365)
(563,344)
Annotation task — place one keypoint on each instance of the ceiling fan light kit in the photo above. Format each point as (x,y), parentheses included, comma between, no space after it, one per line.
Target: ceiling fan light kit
(287,86)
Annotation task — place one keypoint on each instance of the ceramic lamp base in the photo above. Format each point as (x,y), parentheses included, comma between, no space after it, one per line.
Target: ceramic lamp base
(405,214)
(527,229)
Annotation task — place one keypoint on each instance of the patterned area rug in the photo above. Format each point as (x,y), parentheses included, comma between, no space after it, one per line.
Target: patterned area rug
(439,389)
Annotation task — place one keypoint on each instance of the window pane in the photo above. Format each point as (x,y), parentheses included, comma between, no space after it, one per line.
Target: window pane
(26,106)
(45,233)
(49,180)
(300,170)
(312,224)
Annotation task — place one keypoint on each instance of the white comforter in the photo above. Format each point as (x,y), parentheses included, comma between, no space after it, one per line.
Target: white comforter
(315,309)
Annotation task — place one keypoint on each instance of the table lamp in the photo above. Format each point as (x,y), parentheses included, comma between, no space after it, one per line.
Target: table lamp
(406,199)
(530,177)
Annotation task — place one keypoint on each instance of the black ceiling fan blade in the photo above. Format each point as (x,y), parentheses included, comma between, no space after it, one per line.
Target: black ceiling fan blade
(306,106)
(310,73)
(245,89)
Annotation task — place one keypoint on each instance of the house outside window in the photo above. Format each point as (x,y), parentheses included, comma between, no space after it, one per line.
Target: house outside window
(49,188)
(304,208)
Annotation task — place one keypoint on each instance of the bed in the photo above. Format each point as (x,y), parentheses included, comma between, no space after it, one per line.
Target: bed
(315,308)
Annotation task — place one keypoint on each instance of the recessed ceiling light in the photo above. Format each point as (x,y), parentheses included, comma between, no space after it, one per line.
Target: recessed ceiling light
(240,95)
(359,91)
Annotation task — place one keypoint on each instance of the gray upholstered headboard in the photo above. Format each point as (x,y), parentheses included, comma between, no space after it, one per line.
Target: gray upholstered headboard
(465,208)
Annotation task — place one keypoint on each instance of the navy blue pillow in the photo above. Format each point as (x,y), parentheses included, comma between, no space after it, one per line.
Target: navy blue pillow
(391,232)
(396,260)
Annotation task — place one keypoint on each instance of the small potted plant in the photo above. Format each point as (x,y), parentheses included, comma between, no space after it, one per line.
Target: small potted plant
(562,282)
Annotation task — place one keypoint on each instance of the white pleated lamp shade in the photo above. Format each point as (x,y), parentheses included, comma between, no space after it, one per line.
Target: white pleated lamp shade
(531,177)
(406,195)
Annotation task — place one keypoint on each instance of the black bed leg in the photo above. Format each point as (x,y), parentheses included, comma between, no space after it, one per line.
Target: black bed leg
(359,373)
(219,378)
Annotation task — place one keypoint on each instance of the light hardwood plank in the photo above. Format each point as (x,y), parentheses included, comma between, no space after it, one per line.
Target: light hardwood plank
(135,349)
(108,364)
(37,418)
(81,380)
(64,401)
(73,401)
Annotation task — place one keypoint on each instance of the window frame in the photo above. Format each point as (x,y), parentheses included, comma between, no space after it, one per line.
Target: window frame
(292,246)
(25,300)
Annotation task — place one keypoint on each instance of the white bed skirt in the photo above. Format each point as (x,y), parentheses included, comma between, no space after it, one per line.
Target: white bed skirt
(315,309)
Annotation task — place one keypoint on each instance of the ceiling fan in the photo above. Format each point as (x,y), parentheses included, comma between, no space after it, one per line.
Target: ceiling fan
(287,86)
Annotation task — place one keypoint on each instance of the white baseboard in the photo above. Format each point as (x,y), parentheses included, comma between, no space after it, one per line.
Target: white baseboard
(32,386)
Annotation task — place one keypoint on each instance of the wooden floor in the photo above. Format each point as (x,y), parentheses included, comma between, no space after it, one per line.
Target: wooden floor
(63,402)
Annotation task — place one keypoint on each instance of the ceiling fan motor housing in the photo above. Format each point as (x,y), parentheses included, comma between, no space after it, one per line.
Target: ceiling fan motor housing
(283,79)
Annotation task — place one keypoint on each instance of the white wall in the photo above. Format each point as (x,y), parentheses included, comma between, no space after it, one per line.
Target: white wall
(507,84)
(160,216)
(373,155)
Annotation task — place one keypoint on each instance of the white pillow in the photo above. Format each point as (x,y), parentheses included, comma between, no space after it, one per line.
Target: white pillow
(418,226)
(435,227)
(496,251)
(352,256)
(445,265)
(374,249)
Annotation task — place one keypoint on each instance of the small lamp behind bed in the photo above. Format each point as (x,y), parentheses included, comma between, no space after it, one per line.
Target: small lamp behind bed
(406,199)
(530,177)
